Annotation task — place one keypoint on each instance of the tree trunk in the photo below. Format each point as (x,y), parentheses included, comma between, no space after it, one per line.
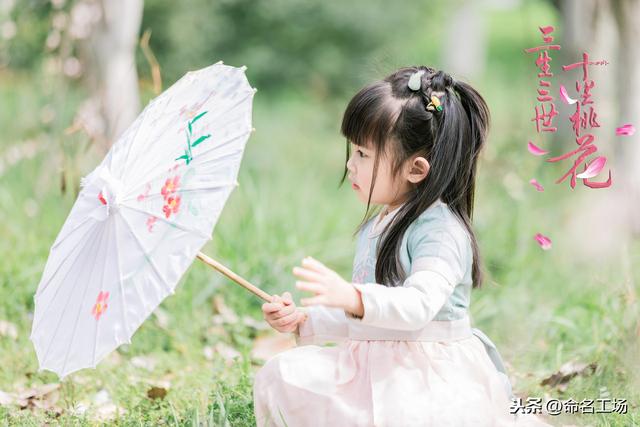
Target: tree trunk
(465,49)
(109,55)
(627,14)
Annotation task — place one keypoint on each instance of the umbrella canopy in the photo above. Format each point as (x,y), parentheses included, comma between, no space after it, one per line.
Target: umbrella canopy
(141,218)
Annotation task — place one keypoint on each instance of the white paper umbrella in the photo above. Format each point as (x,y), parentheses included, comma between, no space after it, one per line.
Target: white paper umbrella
(141,218)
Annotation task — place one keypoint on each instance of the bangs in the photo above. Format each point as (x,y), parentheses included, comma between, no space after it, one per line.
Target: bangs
(369,118)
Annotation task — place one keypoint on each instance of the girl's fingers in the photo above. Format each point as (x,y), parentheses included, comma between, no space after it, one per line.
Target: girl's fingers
(301,317)
(309,275)
(316,265)
(285,310)
(286,298)
(311,287)
(271,307)
(287,320)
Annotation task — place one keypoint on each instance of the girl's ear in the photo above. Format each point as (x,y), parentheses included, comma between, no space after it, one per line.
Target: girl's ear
(418,169)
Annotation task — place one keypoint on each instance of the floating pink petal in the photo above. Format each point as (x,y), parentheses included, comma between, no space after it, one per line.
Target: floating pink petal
(546,30)
(535,150)
(565,96)
(536,184)
(543,241)
(626,130)
(594,168)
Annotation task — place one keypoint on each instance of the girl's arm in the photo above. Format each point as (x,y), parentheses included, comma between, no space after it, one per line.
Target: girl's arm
(440,259)
(323,325)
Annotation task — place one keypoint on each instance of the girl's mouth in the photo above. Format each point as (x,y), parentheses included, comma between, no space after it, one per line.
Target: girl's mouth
(354,186)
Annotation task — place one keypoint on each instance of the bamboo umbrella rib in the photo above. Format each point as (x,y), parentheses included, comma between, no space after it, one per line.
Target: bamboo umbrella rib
(175,224)
(121,283)
(110,227)
(155,164)
(80,224)
(90,282)
(143,117)
(211,186)
(66,305)
(51,301)
(53,275)
(200,160)
(137,291)
(167,285)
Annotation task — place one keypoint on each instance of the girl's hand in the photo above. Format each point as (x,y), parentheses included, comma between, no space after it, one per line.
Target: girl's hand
(281,313)
(329,288)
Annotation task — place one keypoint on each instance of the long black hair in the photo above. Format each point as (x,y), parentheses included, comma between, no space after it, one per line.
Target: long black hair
(388,112)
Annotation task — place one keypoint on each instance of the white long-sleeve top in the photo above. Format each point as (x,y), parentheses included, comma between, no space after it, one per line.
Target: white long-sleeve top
(436,251)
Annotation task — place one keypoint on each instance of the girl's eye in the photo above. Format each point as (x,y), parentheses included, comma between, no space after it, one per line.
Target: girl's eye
(360,153)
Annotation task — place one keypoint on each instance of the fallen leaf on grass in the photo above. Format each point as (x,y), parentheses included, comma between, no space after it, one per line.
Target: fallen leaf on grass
(156,393)
(259,325)
(227,352)
(8,329)
(223,314)
(104,408)
(114,358)
(42,397)
(107,412)
(162,318)
(218,331)
(6,399)
(268,345)
(567,372)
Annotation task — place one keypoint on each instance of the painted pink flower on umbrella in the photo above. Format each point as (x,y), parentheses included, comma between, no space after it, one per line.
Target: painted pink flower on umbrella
(172,201)
(543,241)
(170,186)
(142,196)
(172,206)
(150,222)
(101,305)
(101,198)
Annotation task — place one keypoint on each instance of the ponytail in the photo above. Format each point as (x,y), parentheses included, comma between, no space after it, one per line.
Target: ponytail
(450,139)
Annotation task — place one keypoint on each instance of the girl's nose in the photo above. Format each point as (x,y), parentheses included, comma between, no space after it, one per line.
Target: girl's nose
(350,164)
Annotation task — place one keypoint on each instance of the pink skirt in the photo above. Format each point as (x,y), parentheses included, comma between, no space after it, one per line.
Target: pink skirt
(362,382)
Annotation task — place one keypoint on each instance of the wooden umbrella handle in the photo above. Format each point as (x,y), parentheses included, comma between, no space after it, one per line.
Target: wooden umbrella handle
(243,282)
(233,276)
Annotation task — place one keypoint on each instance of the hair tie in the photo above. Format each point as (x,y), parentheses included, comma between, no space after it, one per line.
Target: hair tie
(435,103)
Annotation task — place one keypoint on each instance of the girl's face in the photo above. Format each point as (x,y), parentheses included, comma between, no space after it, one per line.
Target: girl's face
(388,190)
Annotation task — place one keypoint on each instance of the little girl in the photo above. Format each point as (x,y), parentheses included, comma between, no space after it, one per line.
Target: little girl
(406,353)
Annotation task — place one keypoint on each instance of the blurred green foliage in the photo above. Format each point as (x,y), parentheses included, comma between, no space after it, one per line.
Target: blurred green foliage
(26,48)
(284,43)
